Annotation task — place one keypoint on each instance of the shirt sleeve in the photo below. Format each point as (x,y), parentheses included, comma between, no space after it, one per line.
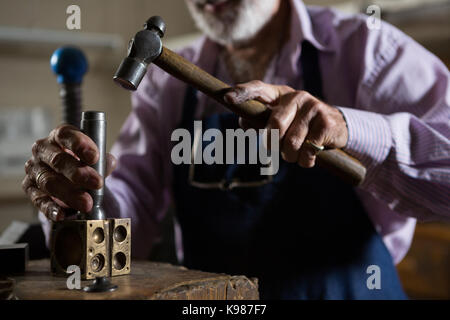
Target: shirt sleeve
(141,182)
(401,128)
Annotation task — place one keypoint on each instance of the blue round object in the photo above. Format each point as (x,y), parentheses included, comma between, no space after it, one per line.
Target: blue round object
(69,64)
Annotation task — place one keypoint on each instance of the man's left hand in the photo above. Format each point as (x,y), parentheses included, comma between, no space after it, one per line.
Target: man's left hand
(299,116)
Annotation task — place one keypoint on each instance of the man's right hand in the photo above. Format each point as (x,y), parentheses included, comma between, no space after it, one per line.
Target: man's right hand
(58,173)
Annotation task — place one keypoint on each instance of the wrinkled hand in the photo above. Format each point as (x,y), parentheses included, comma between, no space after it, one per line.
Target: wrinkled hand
(58,173)
(299,116)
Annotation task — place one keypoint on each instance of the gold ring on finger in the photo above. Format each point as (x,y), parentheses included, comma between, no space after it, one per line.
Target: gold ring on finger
(39,176)
(316,147)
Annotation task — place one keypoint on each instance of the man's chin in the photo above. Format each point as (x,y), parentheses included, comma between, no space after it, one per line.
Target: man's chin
(220,32)
(223,12)
(216,24)
(220,7)
(237,22)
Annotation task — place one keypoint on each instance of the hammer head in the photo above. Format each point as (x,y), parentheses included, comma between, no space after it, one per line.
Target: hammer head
(145,47)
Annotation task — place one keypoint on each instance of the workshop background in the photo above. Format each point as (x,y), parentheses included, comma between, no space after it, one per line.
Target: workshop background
(30,30)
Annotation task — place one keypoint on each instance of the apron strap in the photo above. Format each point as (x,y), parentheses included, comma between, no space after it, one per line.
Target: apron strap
(312,79)
(189,107)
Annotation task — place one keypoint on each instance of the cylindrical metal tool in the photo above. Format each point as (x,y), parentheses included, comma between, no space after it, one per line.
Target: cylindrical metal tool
(93,124)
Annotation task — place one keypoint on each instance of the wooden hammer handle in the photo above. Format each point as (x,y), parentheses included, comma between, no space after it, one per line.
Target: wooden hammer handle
(336,161)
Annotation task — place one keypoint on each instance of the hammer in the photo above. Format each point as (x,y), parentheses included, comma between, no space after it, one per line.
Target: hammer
(146,47)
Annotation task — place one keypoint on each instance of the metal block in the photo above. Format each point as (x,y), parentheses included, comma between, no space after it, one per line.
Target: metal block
(90,244)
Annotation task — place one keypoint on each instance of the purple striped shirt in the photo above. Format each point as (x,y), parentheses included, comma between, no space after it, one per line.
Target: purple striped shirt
(395,97)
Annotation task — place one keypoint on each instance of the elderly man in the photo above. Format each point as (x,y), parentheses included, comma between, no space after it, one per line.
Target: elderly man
(328,80)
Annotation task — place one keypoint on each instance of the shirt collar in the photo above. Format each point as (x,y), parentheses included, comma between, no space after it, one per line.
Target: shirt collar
(301,29)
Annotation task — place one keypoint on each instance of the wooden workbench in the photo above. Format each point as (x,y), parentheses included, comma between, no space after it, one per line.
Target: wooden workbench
(148,280)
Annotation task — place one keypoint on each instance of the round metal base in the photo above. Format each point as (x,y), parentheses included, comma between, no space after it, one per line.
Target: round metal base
(100,284)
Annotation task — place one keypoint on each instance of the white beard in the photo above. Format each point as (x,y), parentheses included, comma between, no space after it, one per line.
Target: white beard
(238,24)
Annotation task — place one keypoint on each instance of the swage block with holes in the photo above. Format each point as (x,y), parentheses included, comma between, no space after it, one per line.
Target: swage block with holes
(98,247)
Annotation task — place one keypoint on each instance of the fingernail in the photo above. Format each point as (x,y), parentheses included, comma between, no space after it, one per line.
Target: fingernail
(83,204)
(89,156)
(56,215)
(230,97)
(113,163)
(95,183)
